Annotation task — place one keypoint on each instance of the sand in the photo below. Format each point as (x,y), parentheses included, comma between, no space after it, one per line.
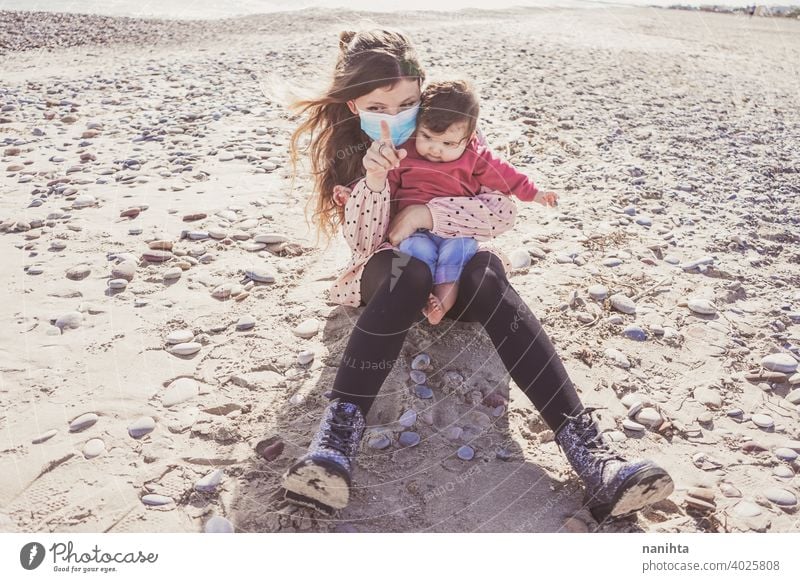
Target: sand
(672,139)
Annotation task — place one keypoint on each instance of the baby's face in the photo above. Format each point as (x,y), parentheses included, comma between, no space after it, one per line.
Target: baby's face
(442,147)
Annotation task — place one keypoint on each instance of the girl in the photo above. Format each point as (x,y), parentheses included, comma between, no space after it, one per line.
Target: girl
(378,72)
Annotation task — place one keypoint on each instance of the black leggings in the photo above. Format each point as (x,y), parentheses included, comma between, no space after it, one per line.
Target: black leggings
(395,287)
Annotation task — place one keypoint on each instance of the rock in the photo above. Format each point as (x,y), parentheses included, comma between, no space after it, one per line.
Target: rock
(617,358)
(785,454)
(172,274)
(84,421)
(245,322)
(780,496)
(156,500)
(71,320)
(465,453)
(141,427)
(783,472)
(635,332)
(124,270)
(794,396)
(746,509)
(94,448)
(409,439)
(185,349)
(160,245)
(598,292)
(729,490)
(210,482)
(270,449)
(701,306)
(307,329)
(575,525)
(407,419)
(180,336)
(84,201)
(708,396)
(649,417)
(218,524)
(633,426)
(418,377)
(194,216)
(379,441)
(180,390)
(78,272)
(763,421)
(520,259)
(117,284)
(423,391)
(45,436)
(421,362)
(453,433)
(784,363)
(155,256)
(623,303)
(260,275)
(305,357)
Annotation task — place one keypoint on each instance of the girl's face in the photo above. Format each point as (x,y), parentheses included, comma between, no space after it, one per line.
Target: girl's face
(389,100)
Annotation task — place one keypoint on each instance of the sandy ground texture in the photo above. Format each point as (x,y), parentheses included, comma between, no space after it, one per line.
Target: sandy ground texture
(146,212)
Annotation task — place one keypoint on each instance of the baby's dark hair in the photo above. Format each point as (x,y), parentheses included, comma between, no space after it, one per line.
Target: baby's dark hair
(444,103)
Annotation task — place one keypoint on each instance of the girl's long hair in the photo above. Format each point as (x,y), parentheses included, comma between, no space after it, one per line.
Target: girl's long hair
(366,61)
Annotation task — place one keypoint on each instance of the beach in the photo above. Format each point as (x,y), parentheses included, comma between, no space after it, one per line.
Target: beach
(168,342)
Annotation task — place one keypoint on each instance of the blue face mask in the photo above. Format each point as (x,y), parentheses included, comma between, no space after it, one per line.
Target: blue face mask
(401,125)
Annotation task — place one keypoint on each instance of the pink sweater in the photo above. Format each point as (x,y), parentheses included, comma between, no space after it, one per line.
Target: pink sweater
(418,181)
(367,216)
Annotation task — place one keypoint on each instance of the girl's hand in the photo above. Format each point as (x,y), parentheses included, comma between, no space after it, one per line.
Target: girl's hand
(407,221)
(341,194)
(380,158)
(546,198)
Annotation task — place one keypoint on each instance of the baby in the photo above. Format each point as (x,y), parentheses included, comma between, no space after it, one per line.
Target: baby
(447,158)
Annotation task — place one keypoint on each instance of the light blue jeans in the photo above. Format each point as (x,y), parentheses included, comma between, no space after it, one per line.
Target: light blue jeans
(446,257)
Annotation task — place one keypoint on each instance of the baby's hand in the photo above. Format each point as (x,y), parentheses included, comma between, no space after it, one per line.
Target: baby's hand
(341,194)
(546,198)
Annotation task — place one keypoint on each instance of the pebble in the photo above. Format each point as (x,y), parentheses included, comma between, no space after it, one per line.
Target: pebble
(245,322)
(632,425)
(305,357)
(409,439)
(729,490)
(747,509)
(173,274)
(615,319)
(180,336)
(611,262)
(78,272)
(418,377)
(785,454)
(635,333)
(307,329)
(186,349)
(218,524)
(141,427)
(94,448)
(763,420)
(615,436)
(794,396)
(84,201)
(71,320)
(270,449)
(180,390)
(465,453)
(117,284)
(423,391)
(421,362)
(84,421)
(260,275)
(453,433)
(155,256)
(783,472)
(380,441)
(784,363)
(649,417)
(735,412)
(503,454)
(408,418)
(617,358)
(154,499)
(623,303)
(708,397)
(520,258)
(780,496)
(701,306)
(598,292)
(210,482)
(44,436)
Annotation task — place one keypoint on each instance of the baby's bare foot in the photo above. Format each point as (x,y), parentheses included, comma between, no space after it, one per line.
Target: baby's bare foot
(435,310)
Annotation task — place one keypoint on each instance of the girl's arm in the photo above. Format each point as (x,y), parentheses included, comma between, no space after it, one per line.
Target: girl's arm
(366,218)
(482,217)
